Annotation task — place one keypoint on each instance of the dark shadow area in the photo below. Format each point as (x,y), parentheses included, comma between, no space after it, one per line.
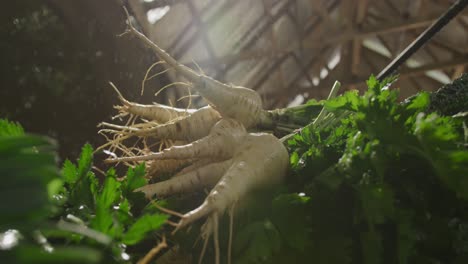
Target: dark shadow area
(57,60)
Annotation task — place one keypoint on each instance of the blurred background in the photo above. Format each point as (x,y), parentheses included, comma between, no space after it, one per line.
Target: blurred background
(59,55)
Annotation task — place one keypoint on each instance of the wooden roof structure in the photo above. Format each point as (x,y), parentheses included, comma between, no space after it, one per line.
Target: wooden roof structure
(293,50)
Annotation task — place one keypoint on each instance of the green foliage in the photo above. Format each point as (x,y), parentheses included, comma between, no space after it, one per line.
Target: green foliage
(23,195)
(288,118)
(142,226)
(135,179)
(378,182)
(68,216)
(257,242)
(8,128)
(451,98)
(60,254)
(293,230)
(83,183)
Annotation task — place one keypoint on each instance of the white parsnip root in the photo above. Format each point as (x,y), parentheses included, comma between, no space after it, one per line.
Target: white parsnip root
(240,103)
(195,180)
(260,161)
(156,168)
(225,135)
(218,151)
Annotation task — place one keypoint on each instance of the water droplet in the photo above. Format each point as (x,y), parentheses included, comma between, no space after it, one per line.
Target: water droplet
(125,256)
(9,239)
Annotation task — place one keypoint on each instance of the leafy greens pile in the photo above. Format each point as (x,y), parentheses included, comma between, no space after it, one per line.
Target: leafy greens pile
(377,181)
(50,216)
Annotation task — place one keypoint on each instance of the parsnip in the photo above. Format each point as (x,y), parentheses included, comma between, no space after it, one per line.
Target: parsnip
(158,167)
(156,112)
(240,103)
(185,129)
(260,161)
(195,165)
(223,154)
(222,140)
(194,180)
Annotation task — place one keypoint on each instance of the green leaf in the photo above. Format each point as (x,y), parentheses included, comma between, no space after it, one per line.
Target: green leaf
(63,254)
(293,229)
(135,179)
(375,87)
(347,101)
(330,178)
(434,130)
(31,144)
(27,165)
(69,172)
(8,128)
(85,160)
(420,102)
(377,202)
(83,185)
(82,191)
(372,82)
(256,242)
(110,191)
(294,159)
(123,212)
(109,196)
(54,187)
(142,226)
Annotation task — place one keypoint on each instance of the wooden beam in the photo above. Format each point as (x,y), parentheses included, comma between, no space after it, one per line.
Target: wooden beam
(269,71)
(381,29)
(376,59)
(284,55)
(441,43)
(282,59)
(370,63)
(361,11)
(462,22)
(202,30)
(290,87)
(357,42)
(397,27)
(392,7)
(300,35)
(460,61)
(252,35)
(316,43)
(160,3)
(404,73)
(324,14)
(387,45)
(302,69)
(415,83)
(183,47)
(267,6)
(410,72)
